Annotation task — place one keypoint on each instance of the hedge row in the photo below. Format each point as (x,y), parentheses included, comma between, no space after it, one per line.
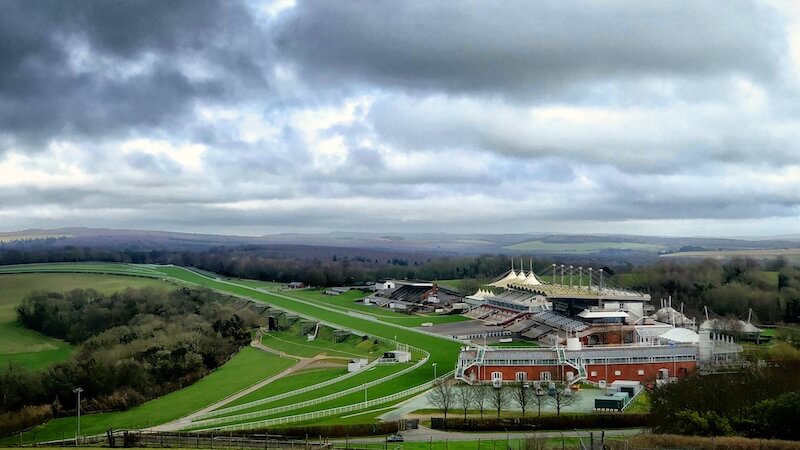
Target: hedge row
(335,430)
(566,422)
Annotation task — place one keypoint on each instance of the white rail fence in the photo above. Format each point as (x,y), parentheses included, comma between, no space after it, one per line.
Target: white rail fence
(316,401)
(264,401)
(333,411)
(274,398)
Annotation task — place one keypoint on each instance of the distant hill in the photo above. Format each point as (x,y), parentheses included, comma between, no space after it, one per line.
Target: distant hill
(605,247)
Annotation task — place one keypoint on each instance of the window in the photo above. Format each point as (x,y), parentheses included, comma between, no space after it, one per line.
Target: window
(544,376)
(522,376)
(617,372)
(641,372)
(497,376)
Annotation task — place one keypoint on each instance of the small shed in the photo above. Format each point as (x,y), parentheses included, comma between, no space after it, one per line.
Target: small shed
(296,285)
(356,364)
(609,402)
(398,356)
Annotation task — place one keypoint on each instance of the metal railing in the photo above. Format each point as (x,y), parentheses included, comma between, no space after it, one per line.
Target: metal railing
(316,401)
(276,397)
(334,411)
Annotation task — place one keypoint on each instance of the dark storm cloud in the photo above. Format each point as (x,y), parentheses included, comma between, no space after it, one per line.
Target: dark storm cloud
(227,116)
(526,48)
(97,68)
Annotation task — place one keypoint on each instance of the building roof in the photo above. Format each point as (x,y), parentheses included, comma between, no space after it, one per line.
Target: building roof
(586,352)
(408,293)
(588,314)
(739,326)
(681,335)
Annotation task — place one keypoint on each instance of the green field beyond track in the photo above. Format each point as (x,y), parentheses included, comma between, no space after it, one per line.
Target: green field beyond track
(28,347)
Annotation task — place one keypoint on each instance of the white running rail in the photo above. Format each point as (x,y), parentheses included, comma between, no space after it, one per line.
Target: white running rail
(333,411)
(316,401)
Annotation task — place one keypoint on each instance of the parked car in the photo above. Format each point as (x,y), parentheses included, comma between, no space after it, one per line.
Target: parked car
(394,438)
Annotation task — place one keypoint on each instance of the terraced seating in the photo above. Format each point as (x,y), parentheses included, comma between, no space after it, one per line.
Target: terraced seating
(560,322)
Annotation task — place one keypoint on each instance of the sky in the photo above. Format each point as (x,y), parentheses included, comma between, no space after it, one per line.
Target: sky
(258,117)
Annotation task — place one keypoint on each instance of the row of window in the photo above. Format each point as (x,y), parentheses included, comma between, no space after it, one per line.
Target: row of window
(545,375)
(521,376)
(588,361)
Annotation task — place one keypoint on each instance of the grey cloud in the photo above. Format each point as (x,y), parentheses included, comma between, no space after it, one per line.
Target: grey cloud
(526,48)
(43,95)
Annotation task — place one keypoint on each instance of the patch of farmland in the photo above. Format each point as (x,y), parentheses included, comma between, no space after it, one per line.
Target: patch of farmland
(791,254)
(582,247)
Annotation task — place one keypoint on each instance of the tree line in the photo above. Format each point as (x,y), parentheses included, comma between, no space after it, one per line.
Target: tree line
(760,401)
(132,346)
(727,288)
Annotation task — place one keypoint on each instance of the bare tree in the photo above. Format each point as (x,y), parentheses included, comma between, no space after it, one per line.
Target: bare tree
(522,393)
(539,399)
(443,396)
(498,399)
(562,396)
(481,395)
(465,397)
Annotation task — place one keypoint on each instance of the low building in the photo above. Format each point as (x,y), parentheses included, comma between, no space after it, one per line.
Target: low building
(397,356)
(606,364)
(296,285)
(357,364)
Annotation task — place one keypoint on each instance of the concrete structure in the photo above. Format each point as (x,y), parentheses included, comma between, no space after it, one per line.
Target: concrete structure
(357,364)
(397,356)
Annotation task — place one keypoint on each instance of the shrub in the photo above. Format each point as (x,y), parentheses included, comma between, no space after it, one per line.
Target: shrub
(566,422)
(23,419)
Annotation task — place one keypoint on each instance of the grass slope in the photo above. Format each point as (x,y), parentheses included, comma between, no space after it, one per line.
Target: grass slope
(290,383)
(246,368)
(293,343)
(30,348)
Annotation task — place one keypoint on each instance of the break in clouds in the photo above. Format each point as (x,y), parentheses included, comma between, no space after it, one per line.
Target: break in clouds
(256,117)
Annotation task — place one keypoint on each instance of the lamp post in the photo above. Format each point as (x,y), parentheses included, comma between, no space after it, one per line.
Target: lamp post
(434,371)
(78,431)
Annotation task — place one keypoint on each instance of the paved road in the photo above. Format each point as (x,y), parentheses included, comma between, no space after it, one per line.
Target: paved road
(425,434)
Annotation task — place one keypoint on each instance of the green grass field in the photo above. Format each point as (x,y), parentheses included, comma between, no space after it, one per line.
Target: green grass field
(246,368)
(582,247)
(290,383)
(442,351)
(30,348)
(357,380)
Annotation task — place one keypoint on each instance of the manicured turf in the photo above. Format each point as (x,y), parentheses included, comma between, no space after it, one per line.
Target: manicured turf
(357,380)
(257,284)
(30,348)
(246,368)
(290,383)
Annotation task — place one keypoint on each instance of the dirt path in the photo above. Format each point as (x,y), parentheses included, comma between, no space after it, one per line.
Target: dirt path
(303,363)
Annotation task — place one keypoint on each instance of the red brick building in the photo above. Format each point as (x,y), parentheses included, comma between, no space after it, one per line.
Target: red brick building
(643,363)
